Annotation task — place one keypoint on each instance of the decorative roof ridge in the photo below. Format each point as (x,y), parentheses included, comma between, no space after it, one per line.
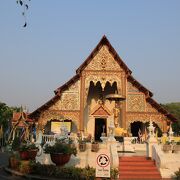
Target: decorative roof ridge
(45,105)
(139,85)
(155,104)
(19,115)
(16,115)
(103,41)
(67,84)
(56,96)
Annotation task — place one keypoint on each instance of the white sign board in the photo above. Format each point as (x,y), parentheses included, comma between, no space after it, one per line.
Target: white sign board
(103,165)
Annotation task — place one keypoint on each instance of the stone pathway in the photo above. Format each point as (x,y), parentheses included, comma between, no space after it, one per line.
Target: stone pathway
(4,163)
(3,159)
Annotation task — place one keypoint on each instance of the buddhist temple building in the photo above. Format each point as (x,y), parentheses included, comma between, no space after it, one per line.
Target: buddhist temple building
(103,91)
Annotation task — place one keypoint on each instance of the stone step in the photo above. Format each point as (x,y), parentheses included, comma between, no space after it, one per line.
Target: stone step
(138,163)
(139,178)
(134,158)
(138,168)
(139,173)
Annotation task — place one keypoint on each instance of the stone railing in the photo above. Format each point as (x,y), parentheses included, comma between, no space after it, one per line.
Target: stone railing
(47,138)
(167,161)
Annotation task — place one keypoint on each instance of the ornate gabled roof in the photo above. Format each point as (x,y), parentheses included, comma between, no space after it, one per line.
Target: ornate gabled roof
(44,106)
(57,92)
(67,84)
(17,116)
(100,110)
(103,41)
(21,119)
(160,108)
(139,86)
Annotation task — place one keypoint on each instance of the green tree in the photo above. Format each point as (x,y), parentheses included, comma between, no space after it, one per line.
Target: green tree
(6,114)
(174,108)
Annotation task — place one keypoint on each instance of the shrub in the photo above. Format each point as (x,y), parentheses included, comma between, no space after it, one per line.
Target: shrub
(60,147)
(167,143)
(178,143)
(75,173)
(177,173)
(27,146)
(114,173)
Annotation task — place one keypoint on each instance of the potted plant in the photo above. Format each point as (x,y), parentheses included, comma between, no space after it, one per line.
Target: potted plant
(14,161)
(28,151)
(23,152)
(166,147)
(32,150)
(14,155)
(82,145)
(60,152)
(176,147)
(82,142)
(94,146)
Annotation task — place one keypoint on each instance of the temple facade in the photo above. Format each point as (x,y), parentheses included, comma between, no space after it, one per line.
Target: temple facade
(84,98)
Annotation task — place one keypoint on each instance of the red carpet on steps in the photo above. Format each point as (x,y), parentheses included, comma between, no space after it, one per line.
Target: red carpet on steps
(137,168)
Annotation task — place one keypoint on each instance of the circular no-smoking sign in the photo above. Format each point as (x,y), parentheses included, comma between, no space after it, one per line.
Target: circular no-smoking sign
(103,160)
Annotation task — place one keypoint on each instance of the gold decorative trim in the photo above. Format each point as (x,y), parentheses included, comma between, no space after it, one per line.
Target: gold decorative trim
(70,99)
(60,115)
(145,117)
(103,60)
(136,102)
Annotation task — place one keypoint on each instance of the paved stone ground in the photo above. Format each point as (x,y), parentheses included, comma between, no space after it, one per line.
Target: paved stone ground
(3,159)
(4,163)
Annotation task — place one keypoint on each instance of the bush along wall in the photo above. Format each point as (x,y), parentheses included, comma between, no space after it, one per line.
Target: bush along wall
(75,173)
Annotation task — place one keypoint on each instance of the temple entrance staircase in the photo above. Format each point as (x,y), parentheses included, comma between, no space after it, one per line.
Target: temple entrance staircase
(137,168)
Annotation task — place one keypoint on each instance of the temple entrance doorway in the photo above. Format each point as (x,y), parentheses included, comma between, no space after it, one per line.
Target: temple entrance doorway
(100,124)
(136,127)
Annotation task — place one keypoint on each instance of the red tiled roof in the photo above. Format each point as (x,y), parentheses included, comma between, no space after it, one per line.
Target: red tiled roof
(21,118)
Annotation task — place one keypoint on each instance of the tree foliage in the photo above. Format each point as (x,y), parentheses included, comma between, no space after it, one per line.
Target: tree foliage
(174,108)
(6,114)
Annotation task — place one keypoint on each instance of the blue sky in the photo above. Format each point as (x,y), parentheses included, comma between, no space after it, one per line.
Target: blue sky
(34,61)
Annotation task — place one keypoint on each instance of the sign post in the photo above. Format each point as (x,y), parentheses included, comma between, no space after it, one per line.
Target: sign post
(103,165)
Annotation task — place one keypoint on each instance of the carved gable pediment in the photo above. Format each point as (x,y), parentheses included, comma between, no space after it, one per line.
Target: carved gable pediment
(70,98)
(132,88)
(103,60)
(100,110)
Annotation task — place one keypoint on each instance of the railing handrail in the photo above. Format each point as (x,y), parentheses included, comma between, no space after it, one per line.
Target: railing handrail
(48,137)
